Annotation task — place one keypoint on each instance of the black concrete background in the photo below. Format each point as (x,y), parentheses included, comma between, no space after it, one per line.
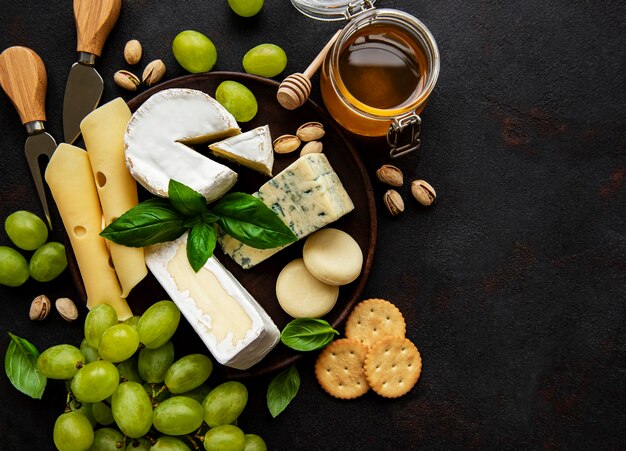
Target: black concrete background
(513,285)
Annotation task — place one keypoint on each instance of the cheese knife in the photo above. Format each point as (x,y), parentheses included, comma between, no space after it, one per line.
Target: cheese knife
(23,78)
(94,21)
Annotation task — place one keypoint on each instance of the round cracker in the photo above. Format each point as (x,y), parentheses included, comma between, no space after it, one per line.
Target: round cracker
(375,318)
(392,366)
(339,369)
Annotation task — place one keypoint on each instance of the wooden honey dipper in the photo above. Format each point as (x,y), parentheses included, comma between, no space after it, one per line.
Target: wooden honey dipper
(296,88)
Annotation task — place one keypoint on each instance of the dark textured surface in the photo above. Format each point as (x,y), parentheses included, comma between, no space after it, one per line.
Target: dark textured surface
(513,285)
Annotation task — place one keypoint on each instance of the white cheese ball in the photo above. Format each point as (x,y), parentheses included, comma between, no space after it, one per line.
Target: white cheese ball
(333,256)
(301,295)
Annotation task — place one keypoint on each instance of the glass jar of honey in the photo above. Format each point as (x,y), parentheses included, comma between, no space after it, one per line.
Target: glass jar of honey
(378,75)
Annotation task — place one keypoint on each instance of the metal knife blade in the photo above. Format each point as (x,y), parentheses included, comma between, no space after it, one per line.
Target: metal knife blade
(37,145)
(82,95)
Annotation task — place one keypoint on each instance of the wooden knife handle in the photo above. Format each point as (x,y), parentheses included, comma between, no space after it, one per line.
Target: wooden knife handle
(94,21)
(23,78)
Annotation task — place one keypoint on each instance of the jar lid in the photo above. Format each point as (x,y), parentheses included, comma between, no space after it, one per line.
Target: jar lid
(331,9)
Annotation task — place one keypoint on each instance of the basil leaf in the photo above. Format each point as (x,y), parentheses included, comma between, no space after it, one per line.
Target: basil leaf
(282,389)
(20,365)
(186,200)
(200,244)
(307,334)
(249,220)
(151,222)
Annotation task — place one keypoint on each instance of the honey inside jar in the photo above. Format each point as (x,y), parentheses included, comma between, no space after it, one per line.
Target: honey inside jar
(382,68)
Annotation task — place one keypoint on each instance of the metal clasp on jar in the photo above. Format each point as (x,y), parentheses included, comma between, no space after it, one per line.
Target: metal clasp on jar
(403,135)
(358,7)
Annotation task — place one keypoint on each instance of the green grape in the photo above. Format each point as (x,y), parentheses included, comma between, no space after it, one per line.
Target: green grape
(48,262)
(153,363)
(26,230)
(237,99)
(99,319)
(13,267)
(246,8)
(132,321)
(138,444)
(198,393)
(129,370)
(60,361)
(86,408)
(188,373)
(95,381)
(177,415)
(102,413)
(266,60)
(72,432)
(158,324)
(90,354)
(224,438)
(254,443)
(118,343)
(225,403)
(107,439)
(166,443)
(132,409)
(194,51)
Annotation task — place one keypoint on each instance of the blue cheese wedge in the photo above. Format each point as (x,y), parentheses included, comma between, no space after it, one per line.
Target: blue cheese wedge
(157,136)
(251,149)
(230,322)
(307,196)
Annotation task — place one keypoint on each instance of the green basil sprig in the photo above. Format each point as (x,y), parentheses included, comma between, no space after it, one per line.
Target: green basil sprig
(307,334)
(282,389)
(241,215)
(20,364)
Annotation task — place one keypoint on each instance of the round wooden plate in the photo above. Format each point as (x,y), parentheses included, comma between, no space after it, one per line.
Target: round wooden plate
(260,280)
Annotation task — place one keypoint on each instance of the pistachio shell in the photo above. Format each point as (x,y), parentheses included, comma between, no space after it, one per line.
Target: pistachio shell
(286,143)
(311,131)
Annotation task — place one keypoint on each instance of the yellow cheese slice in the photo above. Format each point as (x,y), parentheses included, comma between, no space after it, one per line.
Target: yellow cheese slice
(71,182)
(103,131)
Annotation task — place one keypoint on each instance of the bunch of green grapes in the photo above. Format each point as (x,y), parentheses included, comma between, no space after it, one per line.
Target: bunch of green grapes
(127,391)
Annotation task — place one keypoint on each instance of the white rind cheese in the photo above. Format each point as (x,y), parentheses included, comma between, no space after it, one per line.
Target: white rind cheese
(230,322)
(307,196)
(252,149)
(156,136)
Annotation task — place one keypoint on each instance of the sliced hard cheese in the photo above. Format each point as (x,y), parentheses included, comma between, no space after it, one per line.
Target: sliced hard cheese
(154,139)
(71,182)
(251,149)
(307,196)
(231,323)
(103,132)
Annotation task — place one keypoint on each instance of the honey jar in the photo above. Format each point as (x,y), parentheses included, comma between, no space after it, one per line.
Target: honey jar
(378,75)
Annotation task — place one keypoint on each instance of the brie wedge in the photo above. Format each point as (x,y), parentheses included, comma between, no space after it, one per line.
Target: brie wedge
(251,149)
(156,136)
(230,322)
(307,195)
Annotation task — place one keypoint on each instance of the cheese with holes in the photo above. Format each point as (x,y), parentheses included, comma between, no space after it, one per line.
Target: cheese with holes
(230,322)
(252,149)
(71,183)
(157,139)
(103,131)
(307,196)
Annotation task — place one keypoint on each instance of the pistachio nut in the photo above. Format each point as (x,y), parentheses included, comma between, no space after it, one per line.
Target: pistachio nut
(153,73)
(391,175)
(39,308)
(132,51)
(311,131)
(126,80)
(393,202)
(286,143)
(67,309)
(312,147)
(423,192)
